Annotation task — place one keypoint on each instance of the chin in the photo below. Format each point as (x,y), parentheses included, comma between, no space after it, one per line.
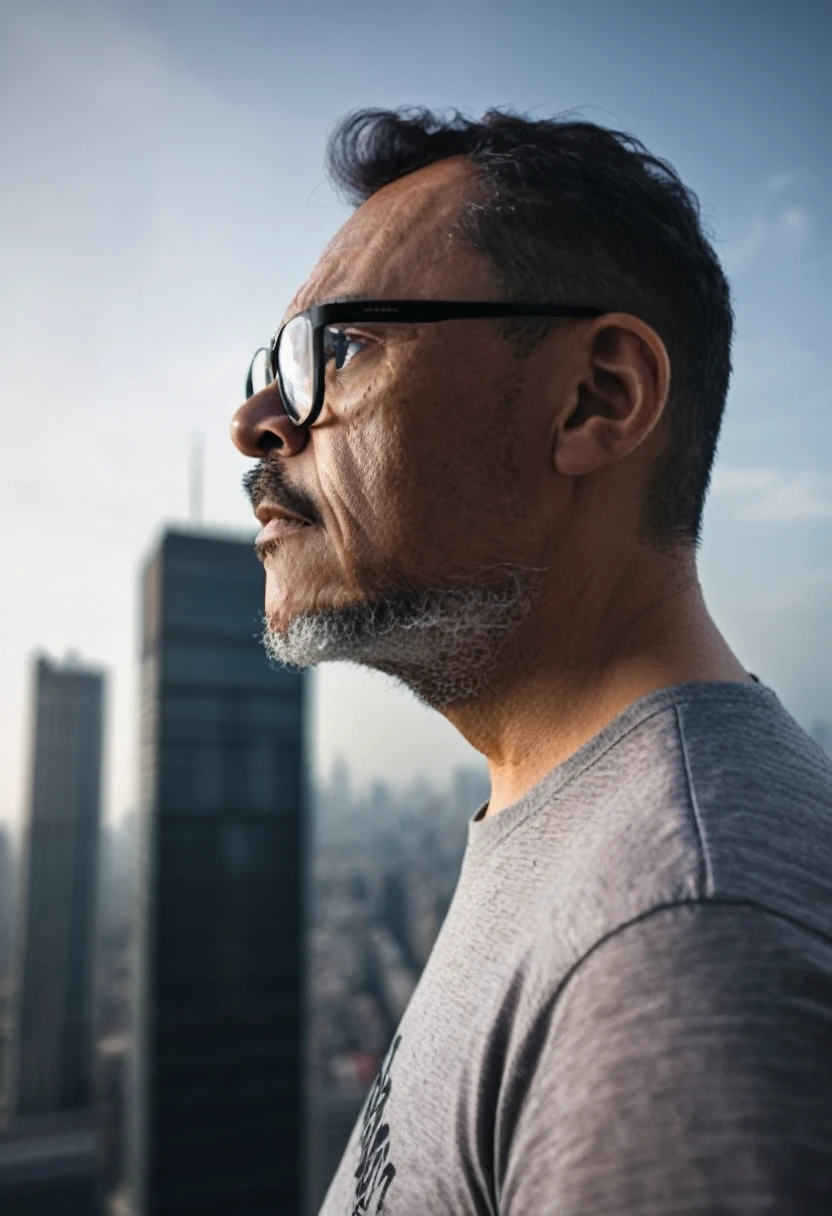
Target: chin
(283,605)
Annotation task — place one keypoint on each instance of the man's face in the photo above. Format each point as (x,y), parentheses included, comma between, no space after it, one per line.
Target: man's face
(430,461)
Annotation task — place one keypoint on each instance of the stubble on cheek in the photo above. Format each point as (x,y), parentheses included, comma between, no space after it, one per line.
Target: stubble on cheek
(375,480)
(352,556)
(400,474)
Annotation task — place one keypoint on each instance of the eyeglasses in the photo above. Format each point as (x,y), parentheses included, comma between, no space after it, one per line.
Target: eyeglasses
(301,349)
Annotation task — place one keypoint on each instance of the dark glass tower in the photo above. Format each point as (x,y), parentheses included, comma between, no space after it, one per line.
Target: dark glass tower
(6,903)
(53,1048)
(217,1090)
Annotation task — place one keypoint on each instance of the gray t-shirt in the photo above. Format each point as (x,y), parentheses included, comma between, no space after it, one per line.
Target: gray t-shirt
(628,1009)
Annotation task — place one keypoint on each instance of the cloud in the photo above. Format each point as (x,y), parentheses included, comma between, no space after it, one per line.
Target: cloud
(771,226)
(796,224)
(766,495)
(778,182)
(732,480)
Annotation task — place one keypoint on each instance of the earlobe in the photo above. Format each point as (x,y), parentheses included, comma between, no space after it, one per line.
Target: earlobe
(586,447)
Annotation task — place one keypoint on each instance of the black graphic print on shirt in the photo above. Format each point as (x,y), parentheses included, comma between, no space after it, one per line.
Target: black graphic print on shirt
(375,1172)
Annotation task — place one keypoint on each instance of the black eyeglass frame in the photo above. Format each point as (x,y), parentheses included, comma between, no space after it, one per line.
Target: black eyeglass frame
(402,312)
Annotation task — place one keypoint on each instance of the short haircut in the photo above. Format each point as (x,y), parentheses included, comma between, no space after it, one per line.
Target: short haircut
(571,212)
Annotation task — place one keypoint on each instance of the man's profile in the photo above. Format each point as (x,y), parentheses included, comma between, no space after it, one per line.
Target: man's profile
(484,433)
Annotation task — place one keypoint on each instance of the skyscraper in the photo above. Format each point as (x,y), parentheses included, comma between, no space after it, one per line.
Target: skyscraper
(6,939)
(216,1099)
(49,1166)
(53,1048)
(6,904)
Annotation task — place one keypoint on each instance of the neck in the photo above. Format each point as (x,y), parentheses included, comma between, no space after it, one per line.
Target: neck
(572,667)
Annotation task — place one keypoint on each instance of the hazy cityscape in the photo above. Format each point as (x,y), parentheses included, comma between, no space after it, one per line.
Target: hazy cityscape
(381,864)
(258,916)
(196,998)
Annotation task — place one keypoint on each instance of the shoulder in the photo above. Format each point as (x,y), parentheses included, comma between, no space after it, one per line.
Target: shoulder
(732,967)
(689,1053)
(717,795)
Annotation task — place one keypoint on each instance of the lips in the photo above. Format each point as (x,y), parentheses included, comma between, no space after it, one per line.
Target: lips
(276,529)
(278,522)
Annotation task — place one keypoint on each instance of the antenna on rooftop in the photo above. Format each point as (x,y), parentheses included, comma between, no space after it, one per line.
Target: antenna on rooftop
(197,487)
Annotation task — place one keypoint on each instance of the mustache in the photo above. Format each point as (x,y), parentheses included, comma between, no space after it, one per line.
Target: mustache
(267,482)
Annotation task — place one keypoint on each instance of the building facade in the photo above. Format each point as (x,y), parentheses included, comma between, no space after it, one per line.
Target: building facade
(7,883)
(216,1094)
(49,1166)
(6,902)
(52,1058)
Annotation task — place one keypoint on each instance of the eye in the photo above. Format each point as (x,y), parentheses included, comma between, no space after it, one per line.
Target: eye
(341,346)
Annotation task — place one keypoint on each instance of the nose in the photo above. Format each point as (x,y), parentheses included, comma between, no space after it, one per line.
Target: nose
(262,425)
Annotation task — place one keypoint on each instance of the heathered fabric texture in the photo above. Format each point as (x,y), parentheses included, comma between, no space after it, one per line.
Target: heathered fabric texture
(628,1008)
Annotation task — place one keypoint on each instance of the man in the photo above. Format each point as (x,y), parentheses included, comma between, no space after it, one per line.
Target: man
(485,436)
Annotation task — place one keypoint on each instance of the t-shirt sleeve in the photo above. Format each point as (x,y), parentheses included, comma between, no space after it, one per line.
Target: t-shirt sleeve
(684,1068)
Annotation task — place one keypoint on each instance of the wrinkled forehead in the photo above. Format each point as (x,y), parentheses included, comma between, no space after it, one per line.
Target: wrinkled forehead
(400,244)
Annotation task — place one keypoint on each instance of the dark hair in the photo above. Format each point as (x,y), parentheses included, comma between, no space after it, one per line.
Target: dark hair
(568,211)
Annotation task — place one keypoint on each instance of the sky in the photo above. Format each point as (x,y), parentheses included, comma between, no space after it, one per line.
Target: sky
(163,195)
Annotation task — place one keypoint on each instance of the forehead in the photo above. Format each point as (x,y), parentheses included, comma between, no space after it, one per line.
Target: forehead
(399,244)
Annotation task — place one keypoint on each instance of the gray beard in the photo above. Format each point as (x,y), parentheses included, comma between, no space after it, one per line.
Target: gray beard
(443,644)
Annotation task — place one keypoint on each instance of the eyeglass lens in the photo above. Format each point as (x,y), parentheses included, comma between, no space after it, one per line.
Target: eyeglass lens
(260,373)
(297,367)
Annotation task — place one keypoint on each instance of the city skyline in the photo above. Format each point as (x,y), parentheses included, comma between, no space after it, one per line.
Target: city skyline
(157,244)
(52,1059)
(202,884)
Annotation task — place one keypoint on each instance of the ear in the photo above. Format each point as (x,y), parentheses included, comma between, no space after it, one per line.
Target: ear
(618,395)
